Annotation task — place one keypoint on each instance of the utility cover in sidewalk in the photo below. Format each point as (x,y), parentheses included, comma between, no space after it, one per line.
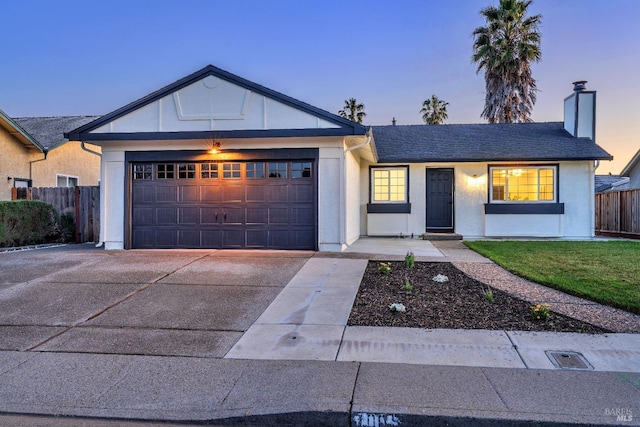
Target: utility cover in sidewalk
(568,360)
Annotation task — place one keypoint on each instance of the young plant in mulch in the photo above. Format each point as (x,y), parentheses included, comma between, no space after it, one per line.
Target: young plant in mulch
(440,278)
(384,268)
(396,307)
(541,311)
(407,284)
(409,260)
(488,295)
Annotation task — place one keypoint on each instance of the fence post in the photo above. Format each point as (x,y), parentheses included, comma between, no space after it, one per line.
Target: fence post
(77,221)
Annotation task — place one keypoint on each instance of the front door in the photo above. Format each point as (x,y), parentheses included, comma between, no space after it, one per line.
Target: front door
(440,200)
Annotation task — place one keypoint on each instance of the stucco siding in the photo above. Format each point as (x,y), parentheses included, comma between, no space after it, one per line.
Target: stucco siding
(14,162)
(575,181)
(353,203)
(70,160)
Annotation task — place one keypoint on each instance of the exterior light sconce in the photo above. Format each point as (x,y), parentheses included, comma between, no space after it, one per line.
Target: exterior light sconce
(473,180)
(9,178)
(214,147)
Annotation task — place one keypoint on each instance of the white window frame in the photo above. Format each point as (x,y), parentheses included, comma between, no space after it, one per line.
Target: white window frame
(514,168)
(372,172)
(67,177)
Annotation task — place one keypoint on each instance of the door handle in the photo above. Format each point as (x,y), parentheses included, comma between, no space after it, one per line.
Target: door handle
(225,216)
(216,216)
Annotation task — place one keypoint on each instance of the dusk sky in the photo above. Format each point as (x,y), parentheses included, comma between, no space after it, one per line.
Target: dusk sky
(90,58)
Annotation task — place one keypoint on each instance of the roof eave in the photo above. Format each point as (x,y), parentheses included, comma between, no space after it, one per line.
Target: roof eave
(632,163)
(20,134)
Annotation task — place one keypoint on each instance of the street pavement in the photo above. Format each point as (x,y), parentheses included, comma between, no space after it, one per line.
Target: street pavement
(260,337)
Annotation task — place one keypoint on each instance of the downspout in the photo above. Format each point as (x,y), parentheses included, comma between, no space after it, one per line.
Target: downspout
(593,198)
(343,198)
(31,162)
(100,242)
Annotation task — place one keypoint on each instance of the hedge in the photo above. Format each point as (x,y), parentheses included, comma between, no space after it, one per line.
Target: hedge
(28,222)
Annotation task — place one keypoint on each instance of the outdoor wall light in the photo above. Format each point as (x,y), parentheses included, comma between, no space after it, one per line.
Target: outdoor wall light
(473,180)
(214,147)
(9,178)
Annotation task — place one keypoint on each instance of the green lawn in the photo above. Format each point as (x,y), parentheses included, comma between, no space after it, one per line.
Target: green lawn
(606,272)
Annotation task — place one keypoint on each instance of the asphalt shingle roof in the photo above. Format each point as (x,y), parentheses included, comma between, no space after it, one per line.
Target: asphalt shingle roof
(482,142)
(49,131)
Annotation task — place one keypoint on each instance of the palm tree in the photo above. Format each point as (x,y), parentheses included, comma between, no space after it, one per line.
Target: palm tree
(504,50)
(434,111)
(353,111)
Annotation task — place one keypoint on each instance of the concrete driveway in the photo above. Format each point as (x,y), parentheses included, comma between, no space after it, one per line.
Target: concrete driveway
(176,303)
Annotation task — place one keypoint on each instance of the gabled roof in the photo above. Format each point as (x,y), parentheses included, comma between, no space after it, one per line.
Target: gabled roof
(632,164)
(345,127)
(483,142)
(607,182)
(49,131)
(19,133)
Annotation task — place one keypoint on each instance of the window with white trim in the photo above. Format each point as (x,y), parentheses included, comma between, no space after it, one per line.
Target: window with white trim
(66,181)
(389,185)
(523,184)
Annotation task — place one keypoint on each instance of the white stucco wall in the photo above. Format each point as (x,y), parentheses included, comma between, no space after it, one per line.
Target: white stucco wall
(331,183)
(575,182)
(352,196)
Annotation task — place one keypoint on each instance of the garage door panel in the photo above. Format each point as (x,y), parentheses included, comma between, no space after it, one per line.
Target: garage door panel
(233,216)
(143,194)
(210,215)
(189,238)
(166,193)
(210,193)
(143,216)
(278,193)
(302,238)
(166,216)
(189,193)
(300,194)
(165,238)
(257,238)
(278,215)
(143,238)
(233,238)
(279,239)
(189,215)
(256,193)
(211,238)
(233,193)
(302,216)
(257,215)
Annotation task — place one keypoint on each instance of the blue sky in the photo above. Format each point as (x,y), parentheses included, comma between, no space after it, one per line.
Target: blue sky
(89,57)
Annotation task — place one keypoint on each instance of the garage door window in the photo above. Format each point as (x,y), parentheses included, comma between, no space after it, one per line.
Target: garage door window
(277,170)
(209,170)
(164,171)
(142,171)
(231,171)
(301,170)
(187,170)
(255,171)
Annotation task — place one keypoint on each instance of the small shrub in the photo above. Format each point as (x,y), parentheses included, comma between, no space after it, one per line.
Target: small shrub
(488,295)
(541,311)
(410,260)
(440,278)
(407,286)
(384,268)
(67,228)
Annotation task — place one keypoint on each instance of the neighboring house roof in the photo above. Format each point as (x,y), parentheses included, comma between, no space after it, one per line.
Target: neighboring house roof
(49,131)
(632,164)
(19,133)
(609,182)
(345,127)
(483,142)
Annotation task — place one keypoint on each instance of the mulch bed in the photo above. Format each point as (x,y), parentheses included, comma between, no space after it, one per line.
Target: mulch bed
(458,303)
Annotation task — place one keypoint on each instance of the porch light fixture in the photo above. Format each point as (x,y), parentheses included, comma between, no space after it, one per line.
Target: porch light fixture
(473,180)
(214,147)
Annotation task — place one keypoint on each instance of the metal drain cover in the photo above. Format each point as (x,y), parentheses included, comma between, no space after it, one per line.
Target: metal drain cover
(568,360)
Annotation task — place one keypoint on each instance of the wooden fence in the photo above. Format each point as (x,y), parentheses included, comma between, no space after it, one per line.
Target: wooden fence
(618,214)
(82,203)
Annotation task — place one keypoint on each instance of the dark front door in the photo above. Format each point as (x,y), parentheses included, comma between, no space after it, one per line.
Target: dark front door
(440,200)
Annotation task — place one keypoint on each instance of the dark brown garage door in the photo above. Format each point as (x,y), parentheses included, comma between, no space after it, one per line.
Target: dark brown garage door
(266,204)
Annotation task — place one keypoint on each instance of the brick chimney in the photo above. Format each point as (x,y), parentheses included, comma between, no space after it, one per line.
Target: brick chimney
(580,111)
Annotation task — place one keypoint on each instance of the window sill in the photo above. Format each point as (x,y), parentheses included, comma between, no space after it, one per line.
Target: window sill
(524,208)
(389,208)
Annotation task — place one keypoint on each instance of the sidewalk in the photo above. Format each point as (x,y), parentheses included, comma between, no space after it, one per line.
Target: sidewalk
(299,364)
